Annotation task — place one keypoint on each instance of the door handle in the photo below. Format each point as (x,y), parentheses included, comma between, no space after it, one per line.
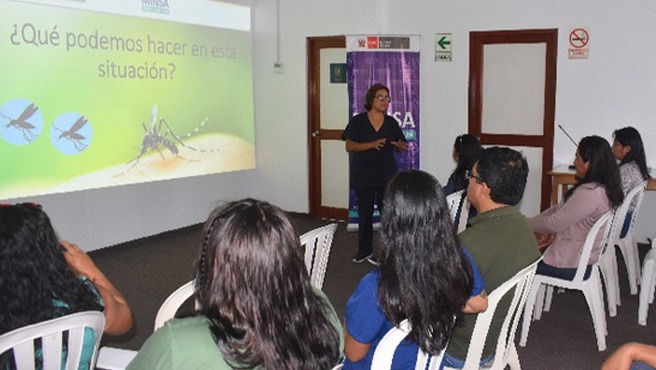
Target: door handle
(316,133)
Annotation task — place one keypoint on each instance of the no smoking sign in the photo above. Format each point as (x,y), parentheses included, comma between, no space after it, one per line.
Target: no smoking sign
(578,39)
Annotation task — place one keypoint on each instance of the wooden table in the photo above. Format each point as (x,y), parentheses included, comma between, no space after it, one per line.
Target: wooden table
(562,177)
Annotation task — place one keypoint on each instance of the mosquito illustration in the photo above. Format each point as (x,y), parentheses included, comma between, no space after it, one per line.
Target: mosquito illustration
(155,139)
(74,136)
(20,123)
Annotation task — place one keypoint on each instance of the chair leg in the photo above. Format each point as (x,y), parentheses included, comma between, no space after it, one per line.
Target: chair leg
(595,304)
(513,358)
(606,266)
(548,297)
(531,300)
(646,287)
(618,299)
(629,260)
(539,302)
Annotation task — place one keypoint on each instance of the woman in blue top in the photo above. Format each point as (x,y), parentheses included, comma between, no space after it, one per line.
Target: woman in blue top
(424,276)
(42,278)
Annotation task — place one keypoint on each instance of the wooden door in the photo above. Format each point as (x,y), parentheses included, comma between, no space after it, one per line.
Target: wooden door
(512,97)
(328,115)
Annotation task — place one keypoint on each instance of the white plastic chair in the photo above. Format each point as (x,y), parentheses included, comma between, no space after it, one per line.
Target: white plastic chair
(628,245)
(117,359)
(51,333)
(453,201)
(317,244)
(505,353)
(647,284)
(171,305)
(591,288)
(458,201)
(608,259)
(464,215)
(384,353)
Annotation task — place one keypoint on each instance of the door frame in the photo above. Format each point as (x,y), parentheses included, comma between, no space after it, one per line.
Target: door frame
(477,40)
(315,133)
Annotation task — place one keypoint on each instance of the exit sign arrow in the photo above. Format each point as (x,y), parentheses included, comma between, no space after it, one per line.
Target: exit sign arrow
(443,42)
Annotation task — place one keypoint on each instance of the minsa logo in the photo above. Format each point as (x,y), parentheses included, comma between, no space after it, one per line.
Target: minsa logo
(155,6)
(372,42)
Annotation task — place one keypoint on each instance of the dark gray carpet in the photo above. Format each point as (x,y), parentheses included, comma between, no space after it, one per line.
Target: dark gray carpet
(146,271)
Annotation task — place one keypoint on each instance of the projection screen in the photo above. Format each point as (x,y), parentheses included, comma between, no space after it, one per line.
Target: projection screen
(103,93)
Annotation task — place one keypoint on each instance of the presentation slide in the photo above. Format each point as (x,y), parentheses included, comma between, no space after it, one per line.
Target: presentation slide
(143,90)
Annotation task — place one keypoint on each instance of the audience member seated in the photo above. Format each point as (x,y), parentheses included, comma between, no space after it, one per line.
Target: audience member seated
(499,239)
(258,309)
(564,227)
(629,150)
(424,276)
(43,278)
(632,356)
(466,149)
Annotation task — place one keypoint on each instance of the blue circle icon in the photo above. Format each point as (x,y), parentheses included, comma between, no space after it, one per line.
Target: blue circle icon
(20,122)
(71,133)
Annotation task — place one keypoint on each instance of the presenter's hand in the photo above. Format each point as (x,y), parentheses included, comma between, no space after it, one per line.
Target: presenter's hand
(79,261)
(378,144)
(400,146)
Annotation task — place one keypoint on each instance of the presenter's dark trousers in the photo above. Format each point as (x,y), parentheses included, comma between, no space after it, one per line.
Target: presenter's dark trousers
(366,198)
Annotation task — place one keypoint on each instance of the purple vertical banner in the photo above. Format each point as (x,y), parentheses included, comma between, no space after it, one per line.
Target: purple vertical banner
(394,62)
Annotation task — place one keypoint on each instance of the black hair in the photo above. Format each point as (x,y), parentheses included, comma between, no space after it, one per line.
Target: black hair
(253,285)
(504,171)
(631,137)
(602,168)
(34,272)
(371,95)
(467,148)
(424,274)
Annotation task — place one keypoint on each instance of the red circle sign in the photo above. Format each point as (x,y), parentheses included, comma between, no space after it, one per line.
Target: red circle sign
(579,38)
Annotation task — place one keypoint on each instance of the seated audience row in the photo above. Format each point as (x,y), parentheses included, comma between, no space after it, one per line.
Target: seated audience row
(258,309)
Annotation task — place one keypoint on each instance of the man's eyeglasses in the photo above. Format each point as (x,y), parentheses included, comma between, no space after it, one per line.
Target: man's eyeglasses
(384,97)
(470,175)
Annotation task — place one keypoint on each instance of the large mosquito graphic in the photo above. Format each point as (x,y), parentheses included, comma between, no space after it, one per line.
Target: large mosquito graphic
(155,139)
(74,136)
(20,123)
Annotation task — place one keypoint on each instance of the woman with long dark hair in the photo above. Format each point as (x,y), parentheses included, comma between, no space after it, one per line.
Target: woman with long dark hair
(564,227)
(466,150)
(258,307)
(629,150)
(424,276)
(42,278)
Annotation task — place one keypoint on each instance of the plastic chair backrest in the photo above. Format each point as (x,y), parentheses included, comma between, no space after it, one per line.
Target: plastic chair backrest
(620,213)
(317,244)
(602,225)
(384,353)
(464,215)
(51,333)
(171,305)
(505,343)
(639,197)
(453,200)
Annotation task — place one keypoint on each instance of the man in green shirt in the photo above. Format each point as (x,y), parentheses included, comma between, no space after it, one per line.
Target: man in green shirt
(499,239)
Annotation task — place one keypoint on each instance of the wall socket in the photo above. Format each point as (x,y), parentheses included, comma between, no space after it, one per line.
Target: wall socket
(277,67)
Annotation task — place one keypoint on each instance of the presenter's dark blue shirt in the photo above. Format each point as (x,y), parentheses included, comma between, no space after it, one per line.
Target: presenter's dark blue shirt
(372,167)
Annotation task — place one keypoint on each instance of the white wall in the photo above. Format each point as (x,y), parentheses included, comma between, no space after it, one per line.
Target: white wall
(613,88)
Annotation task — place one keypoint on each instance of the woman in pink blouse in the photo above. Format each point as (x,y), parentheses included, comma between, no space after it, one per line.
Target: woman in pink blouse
(564,227)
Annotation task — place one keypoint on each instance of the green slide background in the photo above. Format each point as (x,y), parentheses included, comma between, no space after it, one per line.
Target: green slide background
(59,81)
